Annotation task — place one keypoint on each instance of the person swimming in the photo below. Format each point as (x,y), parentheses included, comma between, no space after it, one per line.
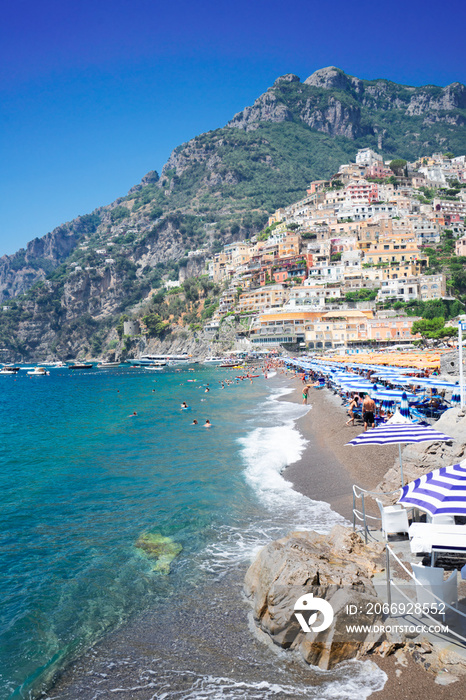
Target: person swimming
(194,422)
(132,414)
(207,424)
(184,405)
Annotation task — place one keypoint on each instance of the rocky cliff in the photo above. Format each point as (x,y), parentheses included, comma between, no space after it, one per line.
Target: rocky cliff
(218,187)
(338,104)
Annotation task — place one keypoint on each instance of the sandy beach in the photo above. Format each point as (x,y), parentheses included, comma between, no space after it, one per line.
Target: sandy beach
(327,471)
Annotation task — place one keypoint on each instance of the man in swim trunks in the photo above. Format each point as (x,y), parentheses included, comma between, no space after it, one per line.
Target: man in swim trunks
(368,410)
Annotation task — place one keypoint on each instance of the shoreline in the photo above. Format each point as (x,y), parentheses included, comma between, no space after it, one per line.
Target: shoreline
(327,471)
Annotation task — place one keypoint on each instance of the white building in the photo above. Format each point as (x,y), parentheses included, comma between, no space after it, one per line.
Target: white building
(365,156)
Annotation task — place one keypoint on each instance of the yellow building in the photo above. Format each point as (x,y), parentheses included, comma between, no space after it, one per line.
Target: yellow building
(267,297)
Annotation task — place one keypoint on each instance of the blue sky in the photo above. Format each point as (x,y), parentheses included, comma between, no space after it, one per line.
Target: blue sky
(96,94)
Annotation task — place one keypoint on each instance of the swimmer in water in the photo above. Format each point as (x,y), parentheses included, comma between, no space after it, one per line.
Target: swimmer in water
(194,422)
(207,424)
(184,405)
(132,414)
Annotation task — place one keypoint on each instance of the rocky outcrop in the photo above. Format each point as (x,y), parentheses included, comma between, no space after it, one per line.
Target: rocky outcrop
(339,117)
(333,78)
(289,574)
(18,272)
(335,119)
(336,567)
(267,108)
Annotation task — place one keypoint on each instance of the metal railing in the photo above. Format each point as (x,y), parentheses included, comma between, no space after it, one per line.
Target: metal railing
(361,515)
(390,583)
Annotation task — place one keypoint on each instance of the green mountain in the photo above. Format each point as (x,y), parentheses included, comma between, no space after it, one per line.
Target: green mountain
(218,187)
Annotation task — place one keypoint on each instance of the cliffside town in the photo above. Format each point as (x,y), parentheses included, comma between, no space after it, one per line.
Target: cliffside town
(238,233)
(327,267)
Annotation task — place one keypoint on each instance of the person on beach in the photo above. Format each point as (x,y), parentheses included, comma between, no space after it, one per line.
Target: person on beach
(305,393)
(354,405)
(368,410)
(207,424)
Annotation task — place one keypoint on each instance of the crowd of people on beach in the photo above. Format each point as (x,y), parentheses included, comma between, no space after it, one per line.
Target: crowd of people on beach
(361,404)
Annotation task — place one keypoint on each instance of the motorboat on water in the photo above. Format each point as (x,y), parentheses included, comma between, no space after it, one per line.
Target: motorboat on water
(81,365)
(9,369)
(161,360)
(213,361)
(107,365)
(39,372)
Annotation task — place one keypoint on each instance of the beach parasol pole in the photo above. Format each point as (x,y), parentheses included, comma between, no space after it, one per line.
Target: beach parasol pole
(401,465)
(460,359)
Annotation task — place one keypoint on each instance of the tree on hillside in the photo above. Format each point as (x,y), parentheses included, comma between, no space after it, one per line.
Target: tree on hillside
(433,329)
(156,327)
(398,166)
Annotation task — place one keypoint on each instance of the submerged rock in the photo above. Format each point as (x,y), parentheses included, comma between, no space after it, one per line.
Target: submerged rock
(159,547)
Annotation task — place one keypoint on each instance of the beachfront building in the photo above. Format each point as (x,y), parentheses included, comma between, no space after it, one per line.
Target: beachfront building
(338,328)
(283,326)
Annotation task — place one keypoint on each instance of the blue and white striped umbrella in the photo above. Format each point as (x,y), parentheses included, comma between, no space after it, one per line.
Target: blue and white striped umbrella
(393,395)
(398,434)
(441,492)
(404,406)
(456,396)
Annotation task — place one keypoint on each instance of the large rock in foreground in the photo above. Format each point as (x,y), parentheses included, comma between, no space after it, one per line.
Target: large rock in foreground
(338,568)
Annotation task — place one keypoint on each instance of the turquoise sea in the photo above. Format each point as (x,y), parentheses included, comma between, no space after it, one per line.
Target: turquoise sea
(81,482)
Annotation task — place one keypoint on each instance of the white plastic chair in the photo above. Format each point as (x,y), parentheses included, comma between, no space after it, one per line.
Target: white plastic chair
(394,518)
(429,581)
(440,519)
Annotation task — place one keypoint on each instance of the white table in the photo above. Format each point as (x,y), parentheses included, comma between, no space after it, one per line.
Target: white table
(437,537)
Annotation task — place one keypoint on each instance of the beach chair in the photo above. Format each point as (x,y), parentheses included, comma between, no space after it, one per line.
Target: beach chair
(430,582)
(394,519)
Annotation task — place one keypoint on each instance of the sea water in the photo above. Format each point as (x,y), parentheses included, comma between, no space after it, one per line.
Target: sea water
(85,485)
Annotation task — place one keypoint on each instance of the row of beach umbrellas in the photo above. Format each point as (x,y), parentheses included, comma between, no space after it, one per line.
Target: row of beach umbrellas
(442,491)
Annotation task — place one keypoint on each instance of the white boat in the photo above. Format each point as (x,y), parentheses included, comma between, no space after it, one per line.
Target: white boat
(213,361)
(39,372)
(9,369)
(107,365)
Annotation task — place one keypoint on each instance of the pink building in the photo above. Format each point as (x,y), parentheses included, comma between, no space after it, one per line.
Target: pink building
(378,170)
(361,191)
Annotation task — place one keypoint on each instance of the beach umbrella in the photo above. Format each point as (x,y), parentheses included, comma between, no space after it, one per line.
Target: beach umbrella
(404,406)
(398,419)
(456,396)
(393,395)
(441,492)
(421,381)
(395,434)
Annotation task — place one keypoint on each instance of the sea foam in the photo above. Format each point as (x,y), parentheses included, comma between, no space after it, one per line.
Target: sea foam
(267,450)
